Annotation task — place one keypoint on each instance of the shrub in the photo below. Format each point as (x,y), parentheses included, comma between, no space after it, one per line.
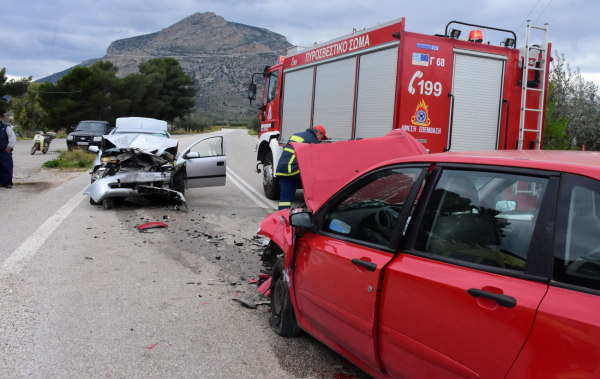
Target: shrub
(71,159)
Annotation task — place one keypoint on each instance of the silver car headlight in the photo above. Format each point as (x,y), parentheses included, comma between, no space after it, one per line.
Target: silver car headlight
(69,138)
(98,139)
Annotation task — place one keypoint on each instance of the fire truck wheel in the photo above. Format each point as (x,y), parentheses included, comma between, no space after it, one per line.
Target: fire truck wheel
(270,182)
(283,318)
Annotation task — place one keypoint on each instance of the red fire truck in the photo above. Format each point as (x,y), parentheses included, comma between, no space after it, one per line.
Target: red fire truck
(452,93)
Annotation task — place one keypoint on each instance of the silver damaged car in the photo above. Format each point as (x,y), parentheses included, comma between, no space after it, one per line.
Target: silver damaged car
(144,164)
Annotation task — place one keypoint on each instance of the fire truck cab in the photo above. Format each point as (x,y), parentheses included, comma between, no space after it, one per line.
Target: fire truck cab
(452,93)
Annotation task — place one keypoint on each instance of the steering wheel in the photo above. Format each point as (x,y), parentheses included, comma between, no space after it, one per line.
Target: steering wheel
(386,217)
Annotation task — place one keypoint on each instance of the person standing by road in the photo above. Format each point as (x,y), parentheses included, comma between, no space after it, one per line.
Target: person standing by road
(287,167)
(7,144)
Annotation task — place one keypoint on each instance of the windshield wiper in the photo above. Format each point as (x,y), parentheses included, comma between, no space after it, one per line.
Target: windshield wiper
(364,204)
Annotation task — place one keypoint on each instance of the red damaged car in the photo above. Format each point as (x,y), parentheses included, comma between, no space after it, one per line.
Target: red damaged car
(454,265)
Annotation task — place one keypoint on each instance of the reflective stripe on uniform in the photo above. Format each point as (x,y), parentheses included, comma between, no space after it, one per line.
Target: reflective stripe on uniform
(285,203)
(290,163)
(290,174)
(296,139)
(289,150)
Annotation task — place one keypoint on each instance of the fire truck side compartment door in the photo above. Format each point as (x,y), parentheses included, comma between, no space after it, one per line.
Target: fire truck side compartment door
(477,87)
(297,102)
(334,98)
(376,93)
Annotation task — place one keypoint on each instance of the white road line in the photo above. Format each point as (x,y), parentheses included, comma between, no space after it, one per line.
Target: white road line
(257,193)
(249,191)
(250,195)
(253,141)
(20,257)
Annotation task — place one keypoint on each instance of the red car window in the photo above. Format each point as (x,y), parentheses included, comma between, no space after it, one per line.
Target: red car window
(475,217)
(577,249)
(370,210)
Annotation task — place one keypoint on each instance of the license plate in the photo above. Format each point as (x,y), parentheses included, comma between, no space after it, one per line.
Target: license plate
(83,143)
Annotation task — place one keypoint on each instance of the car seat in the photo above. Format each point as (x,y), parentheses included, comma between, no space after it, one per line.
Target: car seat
(460,231)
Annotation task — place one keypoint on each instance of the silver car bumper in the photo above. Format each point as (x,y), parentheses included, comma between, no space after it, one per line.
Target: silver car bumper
(110,186)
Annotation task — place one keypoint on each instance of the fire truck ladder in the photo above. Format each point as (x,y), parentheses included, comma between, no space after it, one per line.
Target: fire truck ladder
(541,68)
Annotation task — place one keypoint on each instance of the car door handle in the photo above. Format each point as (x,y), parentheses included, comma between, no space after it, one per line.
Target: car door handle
(502,300)
(368,265)
(220,163)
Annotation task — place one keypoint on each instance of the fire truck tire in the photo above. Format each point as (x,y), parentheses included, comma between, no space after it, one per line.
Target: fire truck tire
(270,182)
(283,318)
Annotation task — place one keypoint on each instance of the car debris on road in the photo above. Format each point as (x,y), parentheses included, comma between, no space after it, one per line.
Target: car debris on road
(151,225)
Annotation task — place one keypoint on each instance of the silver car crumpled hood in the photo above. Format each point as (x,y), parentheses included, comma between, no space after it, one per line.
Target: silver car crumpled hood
(143,142)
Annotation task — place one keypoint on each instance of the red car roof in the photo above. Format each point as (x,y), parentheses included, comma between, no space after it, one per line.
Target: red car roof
(577,162)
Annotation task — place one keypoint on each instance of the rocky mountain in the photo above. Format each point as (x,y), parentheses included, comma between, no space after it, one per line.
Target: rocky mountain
(220,55)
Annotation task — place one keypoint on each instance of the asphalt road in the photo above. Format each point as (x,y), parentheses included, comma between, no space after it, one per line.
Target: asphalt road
(83,294)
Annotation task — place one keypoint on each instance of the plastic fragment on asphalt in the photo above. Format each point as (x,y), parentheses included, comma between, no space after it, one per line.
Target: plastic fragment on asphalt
(152,225)
(253,281)
(246,303)
(152,347)
(265,288)
(262,278)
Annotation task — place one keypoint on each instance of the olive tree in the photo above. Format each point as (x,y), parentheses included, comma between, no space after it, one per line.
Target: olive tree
(573,106)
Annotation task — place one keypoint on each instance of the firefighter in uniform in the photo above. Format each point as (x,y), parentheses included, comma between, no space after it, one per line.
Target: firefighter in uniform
(287,167)
(7,143)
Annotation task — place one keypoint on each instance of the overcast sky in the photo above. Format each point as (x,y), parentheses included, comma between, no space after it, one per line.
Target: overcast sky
(41,37)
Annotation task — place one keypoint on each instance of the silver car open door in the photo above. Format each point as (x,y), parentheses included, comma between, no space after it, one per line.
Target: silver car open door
(206,162)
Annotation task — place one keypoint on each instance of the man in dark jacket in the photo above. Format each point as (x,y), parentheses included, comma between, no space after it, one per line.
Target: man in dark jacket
(7,143)
(287,167)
